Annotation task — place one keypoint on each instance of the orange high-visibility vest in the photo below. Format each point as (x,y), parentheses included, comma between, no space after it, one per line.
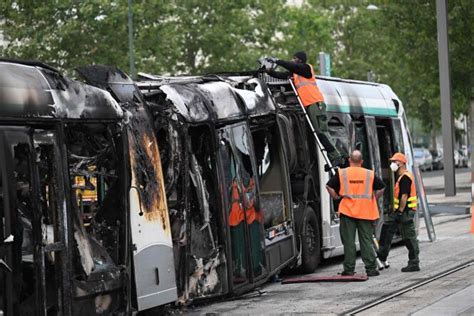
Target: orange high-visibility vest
(307,89)
(412,201)
(358,196)
(236,215)
(250,213)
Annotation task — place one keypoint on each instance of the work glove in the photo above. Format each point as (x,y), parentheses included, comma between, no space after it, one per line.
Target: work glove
(272,59)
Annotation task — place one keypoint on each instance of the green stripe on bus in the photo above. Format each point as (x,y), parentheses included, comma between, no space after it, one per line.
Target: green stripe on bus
(380,111)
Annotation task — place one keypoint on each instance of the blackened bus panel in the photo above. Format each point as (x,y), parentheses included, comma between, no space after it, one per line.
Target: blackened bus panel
(33,92)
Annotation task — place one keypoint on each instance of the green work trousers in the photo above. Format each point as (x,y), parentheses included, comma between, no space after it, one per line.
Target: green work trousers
(318,116)
(347,228)
(405,222)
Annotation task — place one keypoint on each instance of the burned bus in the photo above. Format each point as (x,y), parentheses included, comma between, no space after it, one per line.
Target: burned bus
(227,182)
(99,219)
(84,221)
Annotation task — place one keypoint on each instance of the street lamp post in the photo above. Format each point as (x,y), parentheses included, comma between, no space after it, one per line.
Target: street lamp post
(446,104)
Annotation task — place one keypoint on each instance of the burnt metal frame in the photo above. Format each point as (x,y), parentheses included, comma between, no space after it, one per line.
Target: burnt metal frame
(5,227)
(67,227)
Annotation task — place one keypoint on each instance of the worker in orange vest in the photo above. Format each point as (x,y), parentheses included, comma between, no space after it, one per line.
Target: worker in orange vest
(237,233)
(236,215)
(304,80)
(401,215)
(358,188)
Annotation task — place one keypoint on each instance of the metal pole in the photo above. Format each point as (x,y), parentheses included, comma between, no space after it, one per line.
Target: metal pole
(322,64)
(131,50)
(446,106)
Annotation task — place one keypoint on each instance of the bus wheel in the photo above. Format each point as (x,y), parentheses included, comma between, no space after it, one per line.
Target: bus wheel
(311,246)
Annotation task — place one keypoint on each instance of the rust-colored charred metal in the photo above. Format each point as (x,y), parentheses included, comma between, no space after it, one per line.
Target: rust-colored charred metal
(146,166)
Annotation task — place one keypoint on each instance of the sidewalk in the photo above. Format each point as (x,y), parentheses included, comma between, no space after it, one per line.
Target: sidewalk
(454,205)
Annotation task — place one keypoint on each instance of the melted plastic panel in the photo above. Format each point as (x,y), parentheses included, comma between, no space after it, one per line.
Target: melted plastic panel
(254,94)
(81,101)
(95,160)
(112,79)
(223,102)
(188,101)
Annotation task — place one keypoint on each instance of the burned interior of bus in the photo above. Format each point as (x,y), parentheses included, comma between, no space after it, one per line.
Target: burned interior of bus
(188,156)
(66,223)
(96,164)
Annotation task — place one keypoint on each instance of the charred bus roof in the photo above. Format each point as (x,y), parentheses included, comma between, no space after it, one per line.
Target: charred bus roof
(211,97)
(34,91)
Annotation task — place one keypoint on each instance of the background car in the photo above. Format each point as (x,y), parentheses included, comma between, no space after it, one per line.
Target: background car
(438,163)
(423,158)
(460,160)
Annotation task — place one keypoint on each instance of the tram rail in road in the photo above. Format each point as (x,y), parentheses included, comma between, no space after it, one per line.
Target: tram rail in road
(408,288)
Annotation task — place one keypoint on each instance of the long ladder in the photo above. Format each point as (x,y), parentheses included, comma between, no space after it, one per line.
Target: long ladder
(318,142)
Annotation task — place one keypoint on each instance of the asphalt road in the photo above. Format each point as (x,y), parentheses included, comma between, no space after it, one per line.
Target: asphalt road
(455,245)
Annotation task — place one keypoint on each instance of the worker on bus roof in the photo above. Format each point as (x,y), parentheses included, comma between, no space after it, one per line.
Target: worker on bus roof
(402,215)
(304,80)
(358,188)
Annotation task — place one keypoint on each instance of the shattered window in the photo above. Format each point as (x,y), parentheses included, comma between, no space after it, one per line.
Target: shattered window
(243,211)
(268,156)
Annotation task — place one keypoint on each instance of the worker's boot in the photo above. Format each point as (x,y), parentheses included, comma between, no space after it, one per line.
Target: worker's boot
(411,268)
(372,273)
(347,273)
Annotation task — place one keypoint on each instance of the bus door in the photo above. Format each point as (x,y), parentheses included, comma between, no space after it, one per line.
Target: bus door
(275,198)
(388,146)
(34,270)
(239,192)
(377,151)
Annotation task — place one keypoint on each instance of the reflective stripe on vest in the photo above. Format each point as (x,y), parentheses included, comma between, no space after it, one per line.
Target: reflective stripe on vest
(236,215)
(366,194)
(307,89)
(412,201)
(356,189)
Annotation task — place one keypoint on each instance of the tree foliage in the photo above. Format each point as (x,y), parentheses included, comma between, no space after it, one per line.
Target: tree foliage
(397,41)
